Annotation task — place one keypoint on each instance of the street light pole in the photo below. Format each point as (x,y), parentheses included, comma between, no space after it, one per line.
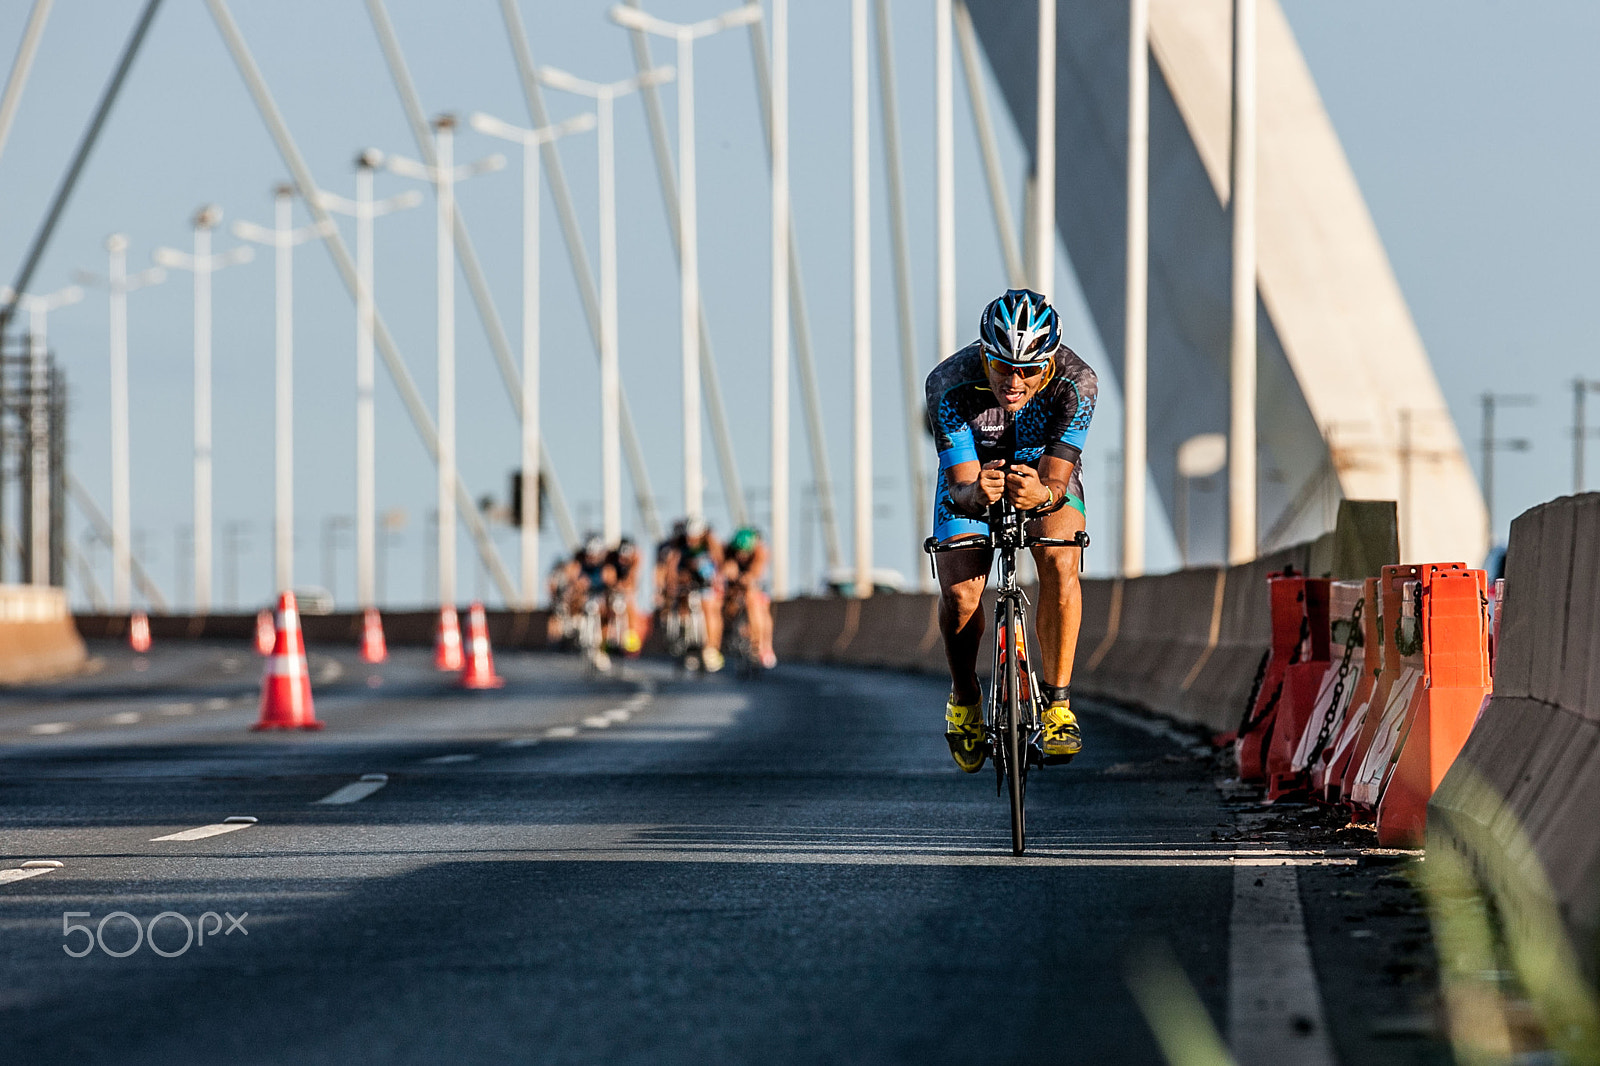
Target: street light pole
(202,264)
(1580,430)
(861,274)
(610,450)
(1044,161)
(364,211)
(39,308)
(1242,516)
(689,244)
(282,238)
(444,175)
(1135,352)
(780,299)
(1491,444)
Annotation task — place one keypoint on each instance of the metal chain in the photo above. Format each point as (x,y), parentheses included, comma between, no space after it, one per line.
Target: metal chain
(1294,657)
(1350,643)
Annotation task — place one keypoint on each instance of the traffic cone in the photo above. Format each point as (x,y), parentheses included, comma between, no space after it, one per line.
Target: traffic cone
(479,670)
(373,647)
(447,642)
(266,634)
(286,684)
(139,632)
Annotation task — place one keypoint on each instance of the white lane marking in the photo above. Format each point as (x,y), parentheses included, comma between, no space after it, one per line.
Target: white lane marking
(217,704)
(520,742)
(440,760)
(1274,1006)
(618,714)
(596,721)
(356,790)
(46,729)
(229,825)
(125,718)
(561,731)
(175,709)
(329,670)
(28,869)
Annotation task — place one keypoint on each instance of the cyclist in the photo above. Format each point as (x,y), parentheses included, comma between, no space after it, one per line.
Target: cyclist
(624,563)
(1010,413)
(593,579)
(745,566)
(558,583)
(694,564)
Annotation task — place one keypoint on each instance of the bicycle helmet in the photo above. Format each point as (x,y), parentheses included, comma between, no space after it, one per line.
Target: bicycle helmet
(593,546)
(695,527)
(745,540)
(1020,327)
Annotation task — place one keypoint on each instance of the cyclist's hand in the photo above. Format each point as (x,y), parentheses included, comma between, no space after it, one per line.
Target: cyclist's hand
(1024,489)
(991,483)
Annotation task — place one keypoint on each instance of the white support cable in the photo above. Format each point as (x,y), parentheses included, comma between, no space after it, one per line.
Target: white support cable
(804,363)
(1004,219)
(1242,506)
(32,33)
(911,379)
(1135,354)
(393,361)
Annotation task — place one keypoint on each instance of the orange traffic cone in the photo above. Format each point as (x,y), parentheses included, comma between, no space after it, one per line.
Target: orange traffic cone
(373,647)
(286,684)
(139,632)
(447,642)
(266,634)
(479,670)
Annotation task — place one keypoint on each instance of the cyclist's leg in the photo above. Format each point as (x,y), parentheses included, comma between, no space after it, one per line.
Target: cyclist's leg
(1060,607)
(712,598)
(962,577)
(759,608)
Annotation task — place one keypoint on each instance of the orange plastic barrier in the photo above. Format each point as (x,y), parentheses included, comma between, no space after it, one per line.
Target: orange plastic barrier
(1294,757)
(1354,733)
(1298,657)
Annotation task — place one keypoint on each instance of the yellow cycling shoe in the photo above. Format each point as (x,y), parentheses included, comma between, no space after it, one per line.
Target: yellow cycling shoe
(969,746)
(1062,738)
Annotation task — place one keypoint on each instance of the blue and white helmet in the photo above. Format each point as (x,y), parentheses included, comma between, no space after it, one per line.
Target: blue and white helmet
(1020,327)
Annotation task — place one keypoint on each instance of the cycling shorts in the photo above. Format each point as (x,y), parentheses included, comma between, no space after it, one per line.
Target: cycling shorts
(949,522)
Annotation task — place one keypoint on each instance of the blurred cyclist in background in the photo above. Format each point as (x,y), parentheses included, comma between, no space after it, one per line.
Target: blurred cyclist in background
(624,561)
(693,563)
(743,571)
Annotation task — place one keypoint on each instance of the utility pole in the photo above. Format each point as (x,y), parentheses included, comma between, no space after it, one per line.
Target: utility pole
(282,238)
(1581,433)
(1492,444)
(202,264)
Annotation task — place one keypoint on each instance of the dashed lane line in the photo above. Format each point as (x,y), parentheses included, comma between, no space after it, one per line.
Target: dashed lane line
(356,790)
(561,731)
(125,718)
(49,729)
(444,760)
(597,721)
(174,710)
(29,869)
(219,703)
(227,825)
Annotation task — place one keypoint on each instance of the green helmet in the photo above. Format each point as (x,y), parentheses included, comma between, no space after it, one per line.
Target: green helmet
(745,540)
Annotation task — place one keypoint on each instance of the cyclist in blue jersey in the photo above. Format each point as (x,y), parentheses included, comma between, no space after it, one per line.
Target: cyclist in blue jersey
(1010,413)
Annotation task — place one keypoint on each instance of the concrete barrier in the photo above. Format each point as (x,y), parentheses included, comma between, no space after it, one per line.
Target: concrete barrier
(1520,800)
(37,639)
(511,629)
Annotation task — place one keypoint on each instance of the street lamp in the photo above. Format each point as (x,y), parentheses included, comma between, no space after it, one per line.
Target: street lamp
(39,308)
(1580,431)
(1492,444)
(202,264)
(1202,455)
(119,284)
(531,141)
(282,238)
(685,34)
(604,96)
(443,176)
(364,209)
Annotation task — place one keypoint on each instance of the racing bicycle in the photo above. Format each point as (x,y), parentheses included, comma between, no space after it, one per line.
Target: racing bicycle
(1015,703)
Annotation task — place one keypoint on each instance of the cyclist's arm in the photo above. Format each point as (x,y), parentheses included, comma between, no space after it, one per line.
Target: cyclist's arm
(974,485)
(1042,489)
(758,566)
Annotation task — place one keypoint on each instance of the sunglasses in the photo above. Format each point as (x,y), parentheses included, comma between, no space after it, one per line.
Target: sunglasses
(1026,371)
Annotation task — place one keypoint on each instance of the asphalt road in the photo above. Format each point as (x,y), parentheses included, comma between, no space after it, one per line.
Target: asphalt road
(636,869)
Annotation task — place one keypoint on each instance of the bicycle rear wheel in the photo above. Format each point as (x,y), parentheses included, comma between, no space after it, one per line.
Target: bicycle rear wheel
(1016,736)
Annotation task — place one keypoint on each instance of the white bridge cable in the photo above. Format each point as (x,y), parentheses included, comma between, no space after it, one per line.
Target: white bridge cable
(577,257)
(710,384)
(916,468)
(805,365)
(102,528)
(392,358)
(1005,222)
(467,256)
(20,69)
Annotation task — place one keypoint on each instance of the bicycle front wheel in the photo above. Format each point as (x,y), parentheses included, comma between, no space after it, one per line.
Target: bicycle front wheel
(1016,735)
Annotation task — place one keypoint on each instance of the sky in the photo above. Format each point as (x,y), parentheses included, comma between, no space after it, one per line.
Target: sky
(1477,184)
